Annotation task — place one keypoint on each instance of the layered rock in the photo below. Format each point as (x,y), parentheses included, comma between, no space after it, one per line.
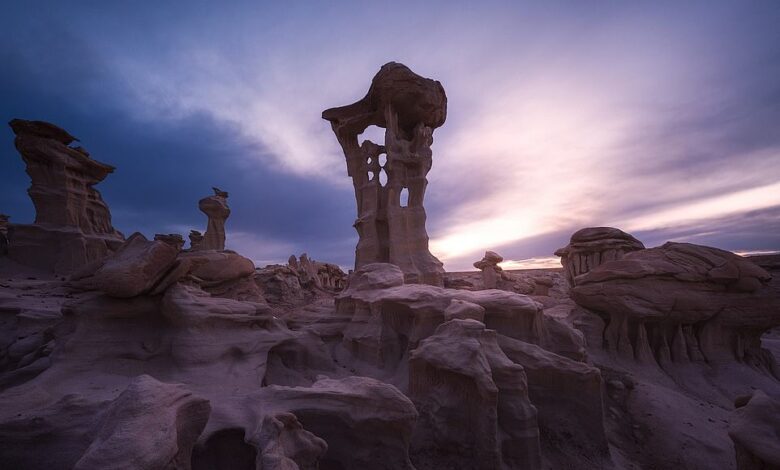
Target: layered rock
(321,275)
(151,425)
(173,239)
(755,429)
(391,216)
(592,246)
(72,222)
(493,277)
(366,423)
(196,240)
(388,318)
(216,209)
(682,302)
(473,401)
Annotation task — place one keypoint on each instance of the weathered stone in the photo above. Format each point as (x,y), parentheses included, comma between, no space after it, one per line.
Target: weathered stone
(217,210)
(592,246)
(72,223)
(173,239)
(392,230)
(755,429)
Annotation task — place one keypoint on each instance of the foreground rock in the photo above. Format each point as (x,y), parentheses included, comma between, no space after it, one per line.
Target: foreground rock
(392,230)
(590,247)
(72,222)
(151,426)
(755,430)
(473,401)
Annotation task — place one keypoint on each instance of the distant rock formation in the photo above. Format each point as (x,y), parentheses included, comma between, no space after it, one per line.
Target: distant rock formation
(196,240)
(592,246)
(173,239)
(4,234)
(491,271)
(321,275)
(72,222)
(391,217)
(217,210)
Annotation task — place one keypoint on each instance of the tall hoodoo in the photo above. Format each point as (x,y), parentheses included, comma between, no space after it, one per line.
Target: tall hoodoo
(409,107)
(72,222)
(217,210)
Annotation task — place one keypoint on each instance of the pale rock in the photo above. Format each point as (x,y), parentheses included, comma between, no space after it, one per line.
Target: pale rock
(392,230)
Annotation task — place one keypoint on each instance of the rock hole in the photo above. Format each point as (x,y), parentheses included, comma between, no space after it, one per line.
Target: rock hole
(373,133)
(382,160)
(405,197)
(382,177)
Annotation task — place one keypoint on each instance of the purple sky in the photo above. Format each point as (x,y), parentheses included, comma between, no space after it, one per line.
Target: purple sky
(659,118)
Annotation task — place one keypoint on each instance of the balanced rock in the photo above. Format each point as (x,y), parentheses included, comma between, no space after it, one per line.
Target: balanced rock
(491,271)
(592,246)
(391,217)
(72,222)
(216,209)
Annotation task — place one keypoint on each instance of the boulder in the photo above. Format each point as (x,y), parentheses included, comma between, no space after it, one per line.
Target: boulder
(151,425)
(755,429)
(592,246)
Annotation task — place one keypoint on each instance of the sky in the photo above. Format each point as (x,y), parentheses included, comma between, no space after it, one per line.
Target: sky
(659,118)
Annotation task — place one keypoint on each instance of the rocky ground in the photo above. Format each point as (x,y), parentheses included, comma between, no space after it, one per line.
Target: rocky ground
(219,366)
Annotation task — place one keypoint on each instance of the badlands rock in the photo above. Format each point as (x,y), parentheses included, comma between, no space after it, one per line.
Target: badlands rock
(135,268)
(321,275)
(755,430)
(388,318)
(473,401)
(216,209)
(196,240)
(491,271)
(590,247)
(72,223)
(682,302)
(392,230)
(151,425)
(173,239)
(366,423)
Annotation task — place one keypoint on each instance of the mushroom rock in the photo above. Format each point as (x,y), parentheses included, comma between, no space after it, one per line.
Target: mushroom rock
(196,240)
(592,246)
(151,425)
(72,222)
(173,239)
(704,301)
(216,209)
(473,401)
(391,217)
(491,272)
(755,429)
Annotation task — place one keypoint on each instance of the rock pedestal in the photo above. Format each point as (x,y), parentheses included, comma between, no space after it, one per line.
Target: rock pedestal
(491,271)
(391,217)
(72,222)
(217,210)
(593,246)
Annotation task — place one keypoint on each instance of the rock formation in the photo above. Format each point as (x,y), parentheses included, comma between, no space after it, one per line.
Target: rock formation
(321,275)
(173,239)
(216,209)
(72,223)
(391,217)
(682,302)
(3,234)
(755,429)
(593,246)
(492,274)
(196,240)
